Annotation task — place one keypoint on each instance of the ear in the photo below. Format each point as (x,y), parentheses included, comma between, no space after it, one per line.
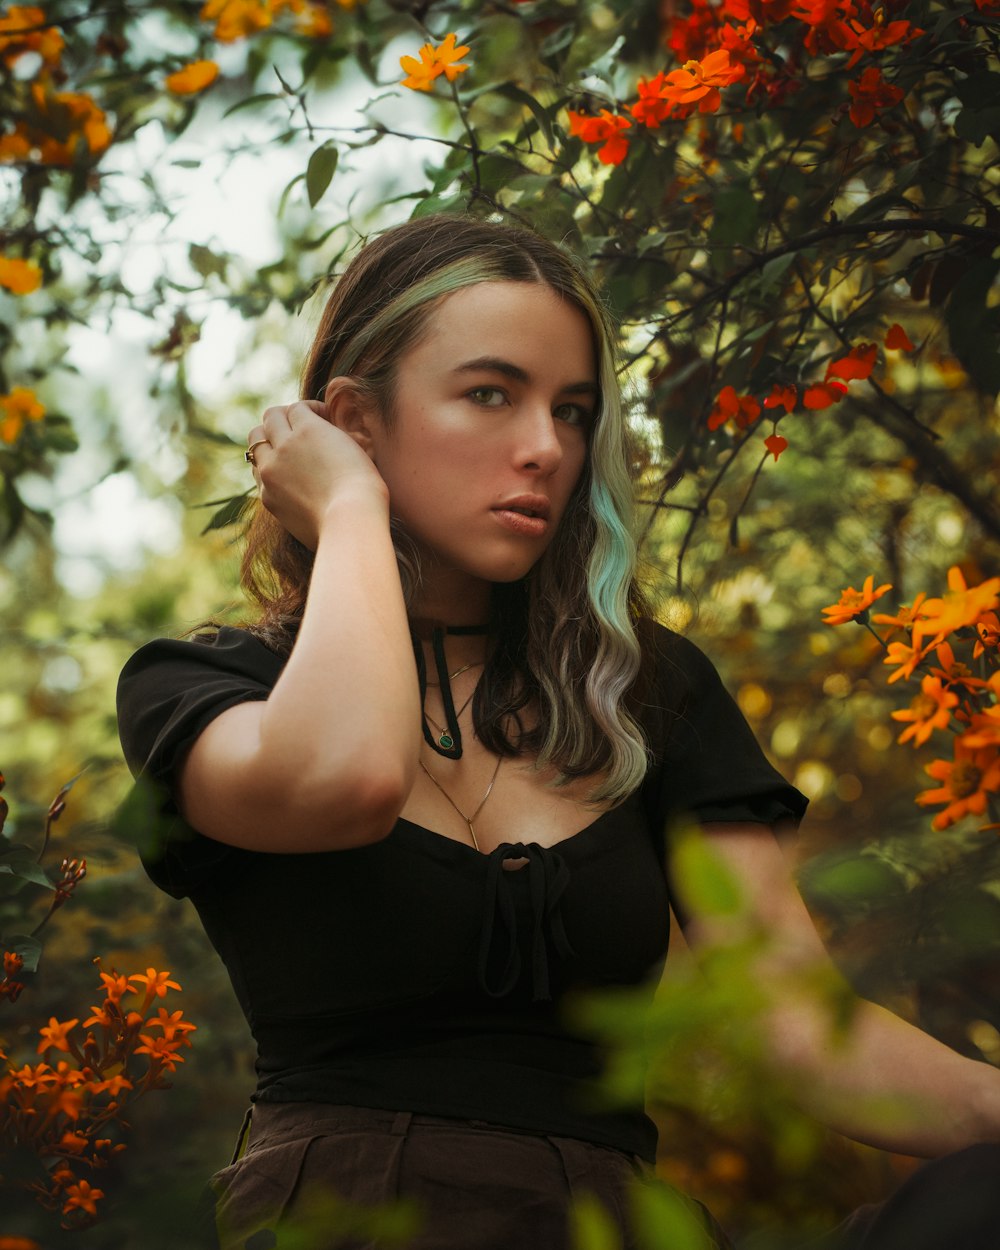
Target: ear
(351,410)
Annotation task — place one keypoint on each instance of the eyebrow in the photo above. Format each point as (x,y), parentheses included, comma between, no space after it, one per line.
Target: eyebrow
(495,364)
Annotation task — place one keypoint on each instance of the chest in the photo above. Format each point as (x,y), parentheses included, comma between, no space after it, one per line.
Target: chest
(515,802)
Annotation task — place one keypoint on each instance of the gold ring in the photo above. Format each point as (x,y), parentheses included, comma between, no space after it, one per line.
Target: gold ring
(248,455)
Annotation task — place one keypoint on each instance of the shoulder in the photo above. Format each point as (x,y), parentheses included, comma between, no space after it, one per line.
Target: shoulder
(676,667)
(225,650)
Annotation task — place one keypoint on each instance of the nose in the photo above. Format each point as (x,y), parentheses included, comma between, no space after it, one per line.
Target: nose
(539,449)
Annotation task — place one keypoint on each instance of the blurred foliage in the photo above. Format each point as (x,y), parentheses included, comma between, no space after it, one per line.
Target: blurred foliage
(766,233)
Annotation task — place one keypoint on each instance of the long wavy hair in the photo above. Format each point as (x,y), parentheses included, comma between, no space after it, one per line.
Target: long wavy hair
(565,636)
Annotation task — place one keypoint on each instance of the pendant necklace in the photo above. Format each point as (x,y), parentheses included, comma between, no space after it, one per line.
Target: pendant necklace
(449,740)
(482,802)
(444,737)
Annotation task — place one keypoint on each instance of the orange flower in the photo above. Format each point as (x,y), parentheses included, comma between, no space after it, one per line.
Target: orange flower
(775,444)
(13,962)
(929,710)
(193,78)
(906,657)
(962,606)
(742,410)
(651,109)
(54,1034)
(156,983)
(988,631)
(854,603)
(984,729)
(782,396)
(161,1050)
(172,1023)
(114,985)
(113,1085)
(822,395)
(23,29)
(966,781)
(18,1243)
(434,62)
(897,340)
(20,277)
(235,19)
(699,81)
(905,616)
(16,410)
(953,671)
(82,1196)
(65,122)
(606,129)
(871,94)
(855,366)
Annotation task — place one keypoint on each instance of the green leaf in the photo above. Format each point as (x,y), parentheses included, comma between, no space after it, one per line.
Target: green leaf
(511,91)
(250,101)
(974,325)
(591,1227)
(667,1220)
(205,262)
(230,512)
(21,862)
(705,884)
(28,947)
(736,217)
(319,172)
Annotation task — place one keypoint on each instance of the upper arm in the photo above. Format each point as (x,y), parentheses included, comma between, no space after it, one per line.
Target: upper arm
(228,791)
(772,904)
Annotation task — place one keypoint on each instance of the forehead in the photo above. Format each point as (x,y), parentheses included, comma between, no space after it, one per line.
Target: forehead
(525,322)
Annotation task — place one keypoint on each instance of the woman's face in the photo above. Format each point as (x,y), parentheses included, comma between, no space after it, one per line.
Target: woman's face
(489,433)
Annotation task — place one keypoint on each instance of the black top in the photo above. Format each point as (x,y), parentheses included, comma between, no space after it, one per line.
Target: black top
(418,974)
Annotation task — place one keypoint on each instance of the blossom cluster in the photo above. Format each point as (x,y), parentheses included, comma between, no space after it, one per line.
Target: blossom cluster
(68,1112)
(765,45)
(50,127)
(856,365)
(951,646)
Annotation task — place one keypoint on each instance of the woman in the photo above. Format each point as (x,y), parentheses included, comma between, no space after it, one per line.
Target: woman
(423,798)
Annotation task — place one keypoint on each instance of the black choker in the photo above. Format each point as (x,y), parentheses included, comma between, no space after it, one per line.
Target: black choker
(448,742)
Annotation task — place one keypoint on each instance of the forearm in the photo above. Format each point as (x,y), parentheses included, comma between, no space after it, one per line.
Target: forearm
(882,1081)
(347,702)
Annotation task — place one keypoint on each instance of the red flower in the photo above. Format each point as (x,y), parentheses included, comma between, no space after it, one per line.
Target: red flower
(742,410)
(897,340)
(871,94)
(775,444)
(855,366)
(823,394)
(782,397)
(651,109)
(605,129)
(698,82)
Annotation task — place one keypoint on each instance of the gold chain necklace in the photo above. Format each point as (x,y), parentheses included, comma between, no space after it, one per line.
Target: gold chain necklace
(482,802)
(444,737)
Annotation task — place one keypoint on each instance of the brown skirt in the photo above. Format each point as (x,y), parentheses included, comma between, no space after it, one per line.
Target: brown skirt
(319,1177)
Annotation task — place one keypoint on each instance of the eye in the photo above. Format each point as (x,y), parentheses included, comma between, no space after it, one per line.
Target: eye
(575,414)
(487,396)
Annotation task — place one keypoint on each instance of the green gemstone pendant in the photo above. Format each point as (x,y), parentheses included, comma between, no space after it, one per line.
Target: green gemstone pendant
(446,741)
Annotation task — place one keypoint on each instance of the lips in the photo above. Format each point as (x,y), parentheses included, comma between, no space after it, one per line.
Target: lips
(526,505)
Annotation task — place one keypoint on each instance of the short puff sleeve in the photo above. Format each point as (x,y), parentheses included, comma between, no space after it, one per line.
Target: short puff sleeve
(168,693)
(707,764)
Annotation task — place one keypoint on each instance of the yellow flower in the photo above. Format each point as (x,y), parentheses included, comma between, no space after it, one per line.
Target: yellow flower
(16,410)
(434,62)
(852,603)
(20,277)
